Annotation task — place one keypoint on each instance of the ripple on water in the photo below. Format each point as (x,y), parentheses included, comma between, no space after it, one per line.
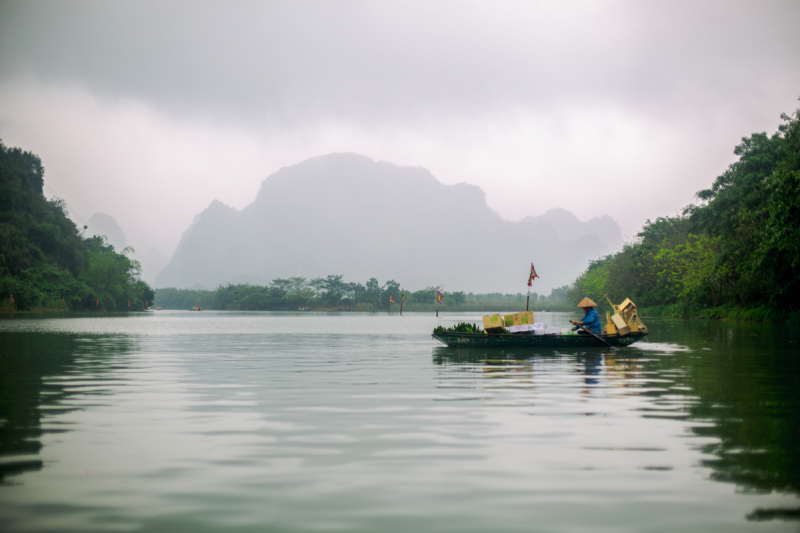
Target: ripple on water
(251,422)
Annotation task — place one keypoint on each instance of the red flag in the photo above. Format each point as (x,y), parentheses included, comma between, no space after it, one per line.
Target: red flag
(96,302)
(532,276)
(391,299)
(439,296)
(129,303)
(12,296)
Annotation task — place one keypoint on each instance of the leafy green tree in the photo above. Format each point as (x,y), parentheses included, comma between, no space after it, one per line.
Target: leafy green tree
(425,296)
(44,258)
(281,287)
(779,249)
(456,298)
(391,288)
(318,286)
(373,291)
(688,269)
(297,284)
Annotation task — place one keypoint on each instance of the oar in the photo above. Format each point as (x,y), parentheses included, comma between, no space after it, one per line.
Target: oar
(595,336)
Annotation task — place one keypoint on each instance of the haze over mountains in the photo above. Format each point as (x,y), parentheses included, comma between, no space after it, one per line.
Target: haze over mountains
(106,225)
(152,260)
(346,214)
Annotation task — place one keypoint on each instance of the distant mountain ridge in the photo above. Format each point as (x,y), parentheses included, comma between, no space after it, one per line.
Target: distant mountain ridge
(346,214)
(568,227)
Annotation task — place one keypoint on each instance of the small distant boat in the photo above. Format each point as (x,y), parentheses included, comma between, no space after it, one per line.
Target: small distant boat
(455,338)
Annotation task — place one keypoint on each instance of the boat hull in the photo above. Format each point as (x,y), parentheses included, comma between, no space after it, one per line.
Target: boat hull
(451,338)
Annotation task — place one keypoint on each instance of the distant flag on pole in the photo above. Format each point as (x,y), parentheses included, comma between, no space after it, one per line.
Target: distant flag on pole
(533,275)
(391,299)
(439,296)
(129,303)
(11,296)
(404,295)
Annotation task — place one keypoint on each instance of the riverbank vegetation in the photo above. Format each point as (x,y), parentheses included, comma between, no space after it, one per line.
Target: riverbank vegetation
(733,254)
(45,261)
(332,293)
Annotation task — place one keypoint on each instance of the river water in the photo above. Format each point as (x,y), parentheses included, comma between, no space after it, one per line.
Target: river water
(211,421)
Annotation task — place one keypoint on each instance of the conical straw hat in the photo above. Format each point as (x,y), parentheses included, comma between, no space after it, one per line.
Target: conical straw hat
(586,302)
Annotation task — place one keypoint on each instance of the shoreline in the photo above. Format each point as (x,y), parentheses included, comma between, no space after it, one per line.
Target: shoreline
(731,313)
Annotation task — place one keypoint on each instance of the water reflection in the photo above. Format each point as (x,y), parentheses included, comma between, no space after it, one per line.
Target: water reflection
(40,376)
(735,387)
(247,430)
(750,394)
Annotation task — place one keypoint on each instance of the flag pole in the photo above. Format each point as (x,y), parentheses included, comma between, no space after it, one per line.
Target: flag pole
(532,276)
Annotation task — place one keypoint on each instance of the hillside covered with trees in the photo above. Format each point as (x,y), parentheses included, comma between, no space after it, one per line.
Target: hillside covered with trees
(44,258)
(734,253)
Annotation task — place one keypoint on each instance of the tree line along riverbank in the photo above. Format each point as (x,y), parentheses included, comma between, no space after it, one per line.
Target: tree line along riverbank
(332,293)
(734,254)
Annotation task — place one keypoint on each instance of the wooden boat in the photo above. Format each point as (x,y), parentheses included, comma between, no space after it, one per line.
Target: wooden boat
(455,338)
(623,328)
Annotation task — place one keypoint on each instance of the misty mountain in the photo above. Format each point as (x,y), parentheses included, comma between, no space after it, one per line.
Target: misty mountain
(153,262)
(347,214)
(568,227)
(102,224)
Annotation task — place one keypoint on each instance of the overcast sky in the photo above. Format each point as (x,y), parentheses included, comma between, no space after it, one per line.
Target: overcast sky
(148,111)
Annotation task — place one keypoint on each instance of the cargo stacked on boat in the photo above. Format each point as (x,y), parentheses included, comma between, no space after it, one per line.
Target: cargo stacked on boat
(518,319)
(625,319)
(522,322)
(493,324)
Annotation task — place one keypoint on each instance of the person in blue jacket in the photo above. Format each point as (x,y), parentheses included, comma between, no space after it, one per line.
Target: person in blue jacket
(590,321)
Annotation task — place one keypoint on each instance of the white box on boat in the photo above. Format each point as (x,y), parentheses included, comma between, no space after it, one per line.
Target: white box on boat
(520,329)
(539,328)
